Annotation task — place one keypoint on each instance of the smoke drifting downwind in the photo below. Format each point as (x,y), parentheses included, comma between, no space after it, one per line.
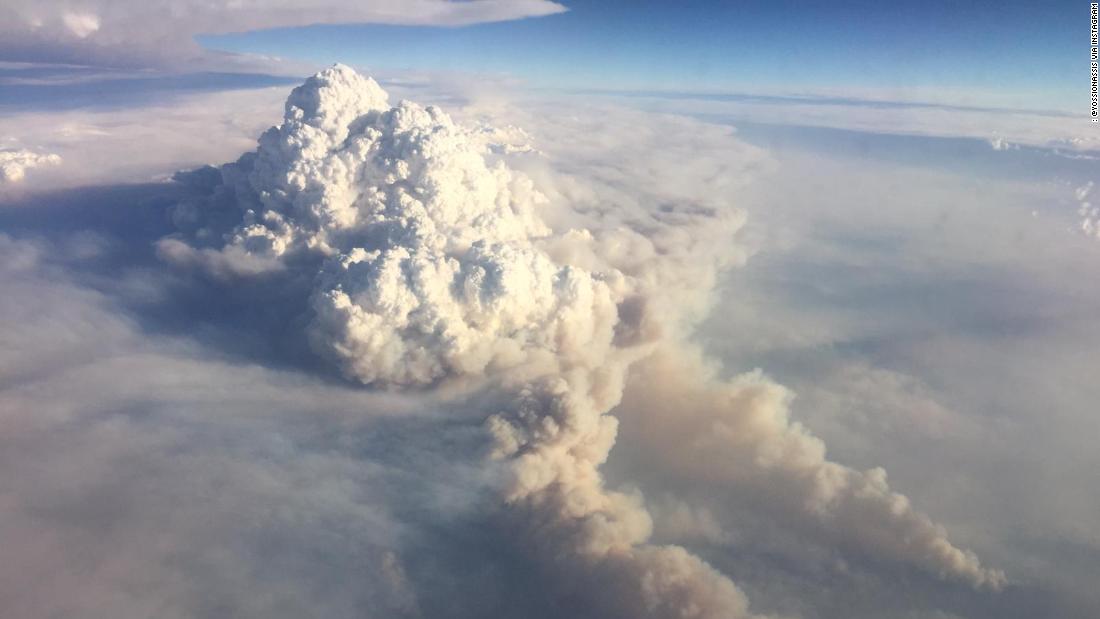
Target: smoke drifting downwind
(438,267)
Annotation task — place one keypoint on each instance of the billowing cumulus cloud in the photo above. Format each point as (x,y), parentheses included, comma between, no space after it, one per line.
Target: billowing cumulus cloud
(1090,215)
(14,163)
(555,299)
(162,33)
(431,267)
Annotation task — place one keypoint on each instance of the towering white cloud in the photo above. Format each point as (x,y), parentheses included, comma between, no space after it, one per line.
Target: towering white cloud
(434,263)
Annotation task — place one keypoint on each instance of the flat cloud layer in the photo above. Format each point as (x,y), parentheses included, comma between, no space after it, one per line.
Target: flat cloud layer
(168,482)
(551,304)
(160,33)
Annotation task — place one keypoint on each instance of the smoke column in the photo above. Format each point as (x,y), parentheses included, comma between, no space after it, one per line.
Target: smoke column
(434,270)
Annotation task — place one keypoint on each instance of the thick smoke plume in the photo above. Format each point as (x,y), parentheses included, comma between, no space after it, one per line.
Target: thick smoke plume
(436,266)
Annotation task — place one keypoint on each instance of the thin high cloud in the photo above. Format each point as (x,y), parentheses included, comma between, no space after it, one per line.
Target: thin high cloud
(1004,129)
(161,33)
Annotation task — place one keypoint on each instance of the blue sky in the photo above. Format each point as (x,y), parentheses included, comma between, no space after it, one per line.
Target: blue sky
(1015,54)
